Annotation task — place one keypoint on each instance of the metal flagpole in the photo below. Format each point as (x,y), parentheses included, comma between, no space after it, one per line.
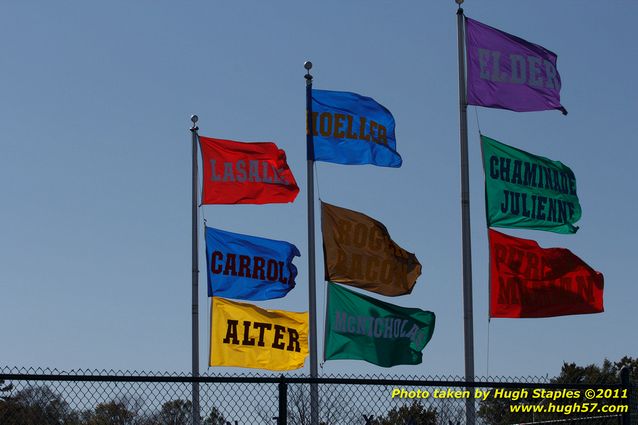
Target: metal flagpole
(468,314)
(312,290)
(195,276)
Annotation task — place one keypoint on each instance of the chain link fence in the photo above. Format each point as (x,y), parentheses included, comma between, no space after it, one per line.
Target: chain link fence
(44,397)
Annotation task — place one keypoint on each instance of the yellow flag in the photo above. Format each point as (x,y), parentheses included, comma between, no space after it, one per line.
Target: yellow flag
(245,335)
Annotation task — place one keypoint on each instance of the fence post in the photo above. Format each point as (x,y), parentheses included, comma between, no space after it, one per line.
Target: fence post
(283,403)
(624,382)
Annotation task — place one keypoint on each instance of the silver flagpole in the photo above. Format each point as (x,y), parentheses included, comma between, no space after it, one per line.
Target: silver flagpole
(312,290)
(195,276)
(468,314)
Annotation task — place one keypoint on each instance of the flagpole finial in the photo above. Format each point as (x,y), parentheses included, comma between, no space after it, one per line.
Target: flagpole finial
(308,77)
(194,119)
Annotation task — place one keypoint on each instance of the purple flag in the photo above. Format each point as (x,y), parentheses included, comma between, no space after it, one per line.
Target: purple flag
(507,72)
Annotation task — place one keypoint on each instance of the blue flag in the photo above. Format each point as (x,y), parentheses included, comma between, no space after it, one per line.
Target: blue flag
(247,267)
(348,128)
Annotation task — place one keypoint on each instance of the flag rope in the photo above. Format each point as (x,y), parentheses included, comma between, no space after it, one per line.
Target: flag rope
(487,368)
(323,330)
(210,329)
(317,181)
(478,123)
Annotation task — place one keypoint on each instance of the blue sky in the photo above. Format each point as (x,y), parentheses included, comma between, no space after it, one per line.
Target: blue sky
(95,167)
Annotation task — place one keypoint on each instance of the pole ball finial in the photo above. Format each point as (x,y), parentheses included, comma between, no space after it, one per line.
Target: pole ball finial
(307,65)
(194,118)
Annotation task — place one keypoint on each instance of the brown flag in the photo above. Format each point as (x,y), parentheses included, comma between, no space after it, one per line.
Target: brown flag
(359,252)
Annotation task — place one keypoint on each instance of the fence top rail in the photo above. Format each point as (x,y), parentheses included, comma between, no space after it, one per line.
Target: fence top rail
(295,380)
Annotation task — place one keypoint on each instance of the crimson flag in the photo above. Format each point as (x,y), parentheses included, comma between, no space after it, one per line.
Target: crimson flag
(529,281)
(245,173)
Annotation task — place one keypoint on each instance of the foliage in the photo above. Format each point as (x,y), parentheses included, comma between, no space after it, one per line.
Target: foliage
(175,412)
(333,409)
(37,405)
(413,414)
(4,389)
(496,411)
(215,417)
(608,373)
(111,413)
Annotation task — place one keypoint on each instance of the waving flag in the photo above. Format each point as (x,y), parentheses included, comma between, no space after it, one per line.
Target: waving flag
(528,191)
(348,128)
(507,72)
(245,335)
(529,281)
(359,252)
(363,328)
(245,173)
(247,267)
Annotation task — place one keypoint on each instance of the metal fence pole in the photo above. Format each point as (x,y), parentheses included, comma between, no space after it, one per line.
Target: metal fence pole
(626,384)
(283,403)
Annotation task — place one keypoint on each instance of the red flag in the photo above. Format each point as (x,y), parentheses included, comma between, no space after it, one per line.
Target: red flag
(245,173)
(529,281)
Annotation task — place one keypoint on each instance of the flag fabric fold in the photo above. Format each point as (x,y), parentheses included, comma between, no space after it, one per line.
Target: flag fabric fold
(359,327)
(348,128)
(504,71)
(358,251)
(248,267)
(529,281)
(528,191)
(244,335)
(245,173)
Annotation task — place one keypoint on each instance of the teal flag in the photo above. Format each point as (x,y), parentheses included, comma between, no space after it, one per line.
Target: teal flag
(528,191)
(362,328)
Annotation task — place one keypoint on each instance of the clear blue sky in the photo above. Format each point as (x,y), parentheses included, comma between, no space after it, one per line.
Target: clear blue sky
(95,167)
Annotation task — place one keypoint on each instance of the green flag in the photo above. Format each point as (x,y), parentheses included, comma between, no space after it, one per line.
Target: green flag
(362,328)
(528,191)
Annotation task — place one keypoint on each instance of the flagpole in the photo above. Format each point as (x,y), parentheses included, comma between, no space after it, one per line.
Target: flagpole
(312,290)
(468,314)
(195,276)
